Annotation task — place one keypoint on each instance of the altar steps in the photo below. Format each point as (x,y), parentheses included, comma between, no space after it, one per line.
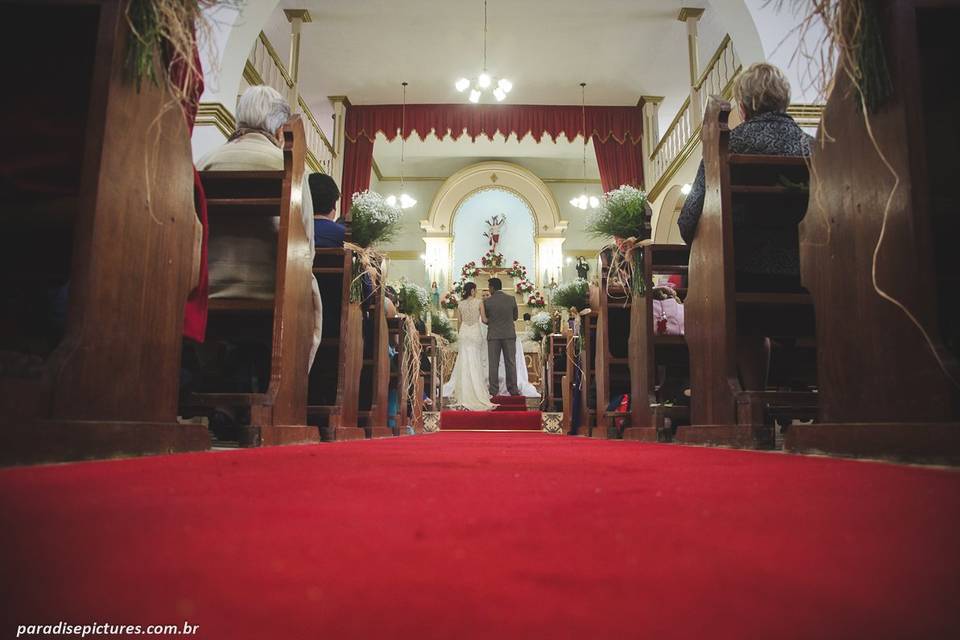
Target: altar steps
(498,420)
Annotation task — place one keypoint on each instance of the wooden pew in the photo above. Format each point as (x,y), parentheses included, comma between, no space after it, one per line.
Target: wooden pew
(556,367)
(430,375)
(334,383)
(277,415)
(650,419)
(398,381)
(587,359)
(883,392)
(614,351)
(81,151)
(375,372)
(722,411)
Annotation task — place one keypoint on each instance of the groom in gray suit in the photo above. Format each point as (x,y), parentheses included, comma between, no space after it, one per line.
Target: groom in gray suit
(501,312)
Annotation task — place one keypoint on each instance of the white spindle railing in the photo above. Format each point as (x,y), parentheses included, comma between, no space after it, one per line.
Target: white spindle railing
(684,131)
(265,67)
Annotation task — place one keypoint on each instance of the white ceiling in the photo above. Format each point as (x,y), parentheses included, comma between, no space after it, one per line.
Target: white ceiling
(364,49)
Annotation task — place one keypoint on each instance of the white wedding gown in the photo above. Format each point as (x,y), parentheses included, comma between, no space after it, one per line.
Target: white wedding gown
(468,383)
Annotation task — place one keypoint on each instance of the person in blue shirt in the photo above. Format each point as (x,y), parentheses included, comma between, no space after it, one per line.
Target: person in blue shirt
(327,232)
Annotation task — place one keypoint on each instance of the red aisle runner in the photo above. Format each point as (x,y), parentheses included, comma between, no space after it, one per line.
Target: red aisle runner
(482,535)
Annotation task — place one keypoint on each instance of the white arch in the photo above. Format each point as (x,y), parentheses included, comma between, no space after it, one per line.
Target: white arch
(504,175)
(665,229)
(233,33)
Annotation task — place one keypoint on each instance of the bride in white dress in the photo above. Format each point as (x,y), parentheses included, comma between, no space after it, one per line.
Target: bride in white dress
(469,379)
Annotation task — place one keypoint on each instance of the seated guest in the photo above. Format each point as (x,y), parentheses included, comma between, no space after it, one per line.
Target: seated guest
(242,252)
(766,256)
(327,232)
(767,252)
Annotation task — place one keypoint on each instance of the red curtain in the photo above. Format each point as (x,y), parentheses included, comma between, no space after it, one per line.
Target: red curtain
(620,164)
(357,164)
(617,133)
(191,81)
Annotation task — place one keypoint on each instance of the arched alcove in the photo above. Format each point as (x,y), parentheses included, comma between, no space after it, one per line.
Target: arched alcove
(469,224)
(665,230)
(506,177)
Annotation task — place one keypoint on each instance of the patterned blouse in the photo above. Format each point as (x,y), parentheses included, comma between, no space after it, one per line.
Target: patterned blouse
(769,250)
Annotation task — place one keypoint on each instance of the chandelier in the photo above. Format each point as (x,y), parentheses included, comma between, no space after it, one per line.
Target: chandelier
(404,200)
(484,81)
(583,201)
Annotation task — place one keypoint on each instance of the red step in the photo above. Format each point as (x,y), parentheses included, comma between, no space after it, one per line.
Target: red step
(509,403)
(491,420)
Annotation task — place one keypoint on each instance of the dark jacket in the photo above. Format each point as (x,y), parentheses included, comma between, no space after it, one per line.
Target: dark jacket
(770,248)
(501,311)
(328,234)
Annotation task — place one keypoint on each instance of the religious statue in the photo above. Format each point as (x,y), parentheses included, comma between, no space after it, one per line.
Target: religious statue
(495,225)
(583,268)
(435,295)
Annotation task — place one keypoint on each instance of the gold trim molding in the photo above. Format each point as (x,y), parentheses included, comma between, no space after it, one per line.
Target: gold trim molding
(403,255)
(215,114)
(689,12)
(806,115)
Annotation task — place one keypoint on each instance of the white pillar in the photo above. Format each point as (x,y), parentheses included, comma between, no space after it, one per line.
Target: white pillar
(650,107)
(340,106)
(296,17)
(691,16)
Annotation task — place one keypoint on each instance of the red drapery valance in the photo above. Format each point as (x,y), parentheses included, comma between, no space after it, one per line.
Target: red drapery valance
(621,123)
(616,131)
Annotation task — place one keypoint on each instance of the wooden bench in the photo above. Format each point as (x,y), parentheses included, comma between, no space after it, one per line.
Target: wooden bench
(614,352)
(556,368)
(375,372)
(722,411)
(883,392)
(429,376)
(398,377)
(278,414)
(652,419)
(587,359)
(81,158)
(334,384)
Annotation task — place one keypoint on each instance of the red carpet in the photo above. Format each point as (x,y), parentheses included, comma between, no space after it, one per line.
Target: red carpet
(470,535)
(497,420)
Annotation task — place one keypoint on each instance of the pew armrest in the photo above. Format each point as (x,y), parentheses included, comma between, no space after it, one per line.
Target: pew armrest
(197,253)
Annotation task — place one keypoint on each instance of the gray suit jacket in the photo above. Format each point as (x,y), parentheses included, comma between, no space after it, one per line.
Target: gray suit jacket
(501,312)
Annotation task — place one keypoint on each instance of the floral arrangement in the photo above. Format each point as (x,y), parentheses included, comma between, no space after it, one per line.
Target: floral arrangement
(450,300)
(440,325)
(572,294)
(492,259)
(412,299)
(372,220)
(517,270)
(525,286)
(542,325)
(470,270)
(536,301)
(623,214)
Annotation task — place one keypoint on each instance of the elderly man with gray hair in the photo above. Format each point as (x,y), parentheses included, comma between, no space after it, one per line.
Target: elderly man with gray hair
(242,253)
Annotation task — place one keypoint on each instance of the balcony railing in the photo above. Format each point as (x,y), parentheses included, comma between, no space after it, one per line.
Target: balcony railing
(265,67)
(683,134)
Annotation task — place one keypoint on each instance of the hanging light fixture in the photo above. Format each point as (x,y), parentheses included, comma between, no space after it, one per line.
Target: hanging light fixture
(583,201)
(484,81)
(404,200)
